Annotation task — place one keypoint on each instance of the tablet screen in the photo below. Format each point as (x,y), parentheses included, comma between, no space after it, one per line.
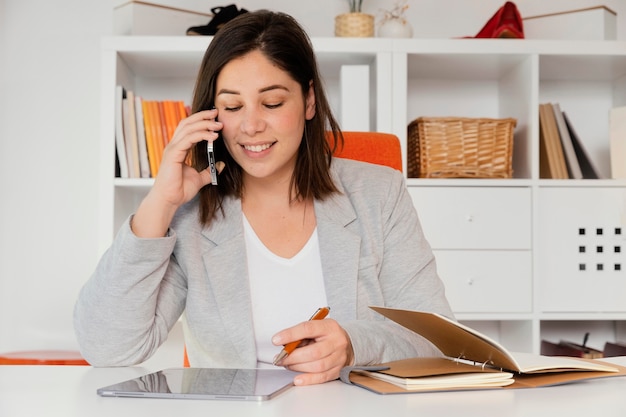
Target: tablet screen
(205,383)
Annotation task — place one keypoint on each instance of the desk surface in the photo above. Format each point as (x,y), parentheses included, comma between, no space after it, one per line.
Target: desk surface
(69,391)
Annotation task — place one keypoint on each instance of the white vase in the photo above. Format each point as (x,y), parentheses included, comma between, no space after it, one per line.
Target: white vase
(395,27)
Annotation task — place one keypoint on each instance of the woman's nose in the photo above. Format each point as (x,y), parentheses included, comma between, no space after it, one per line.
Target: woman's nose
(252,122)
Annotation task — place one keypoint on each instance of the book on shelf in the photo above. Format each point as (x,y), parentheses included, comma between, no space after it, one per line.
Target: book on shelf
(170,109)
(154,144)
(143,129)
(567,348)
(614,349)
(552,160)
(470,360)
(587,167)
(120,142)
(144,163)
(617,138)
(573,167)
(130,134)
(160,116)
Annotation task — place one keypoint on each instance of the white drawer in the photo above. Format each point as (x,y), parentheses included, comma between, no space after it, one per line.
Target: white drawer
(487,281)
(581,249)
(474,217)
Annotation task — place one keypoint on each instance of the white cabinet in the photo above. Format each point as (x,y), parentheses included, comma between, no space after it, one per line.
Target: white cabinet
(475,217)
(481,237)
(508,250)
(581,251)
(487,281)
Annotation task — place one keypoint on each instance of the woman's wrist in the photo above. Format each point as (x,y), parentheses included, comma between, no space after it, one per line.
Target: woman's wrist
(153,218)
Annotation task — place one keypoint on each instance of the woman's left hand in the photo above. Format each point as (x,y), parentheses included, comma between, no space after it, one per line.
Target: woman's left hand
(326,348)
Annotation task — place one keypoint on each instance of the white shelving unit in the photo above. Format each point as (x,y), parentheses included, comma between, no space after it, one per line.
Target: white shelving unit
(508,250)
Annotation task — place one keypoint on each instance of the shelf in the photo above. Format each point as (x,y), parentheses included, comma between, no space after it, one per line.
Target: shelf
(578,316)
(141,183)
(467,182)
(602,183)
(522,227)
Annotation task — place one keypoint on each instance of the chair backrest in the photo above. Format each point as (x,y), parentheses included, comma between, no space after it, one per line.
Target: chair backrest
(375,147)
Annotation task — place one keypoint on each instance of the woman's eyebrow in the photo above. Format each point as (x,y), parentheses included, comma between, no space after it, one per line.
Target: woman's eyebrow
(227,91)
(261,90)
(273,87)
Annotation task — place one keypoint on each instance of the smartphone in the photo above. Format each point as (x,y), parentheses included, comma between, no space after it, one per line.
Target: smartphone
(211,156)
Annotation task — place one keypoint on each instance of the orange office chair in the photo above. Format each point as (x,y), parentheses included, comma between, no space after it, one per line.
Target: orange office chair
(42,357)
(375,147)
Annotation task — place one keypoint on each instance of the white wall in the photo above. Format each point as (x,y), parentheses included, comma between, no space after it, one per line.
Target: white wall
(49,121)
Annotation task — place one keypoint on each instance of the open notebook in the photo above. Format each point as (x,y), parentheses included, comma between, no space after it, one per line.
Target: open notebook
(472,361)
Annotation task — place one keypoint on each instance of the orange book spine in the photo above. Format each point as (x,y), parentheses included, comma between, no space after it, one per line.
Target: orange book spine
(150,139)
(182,110)
(182,113)
(164,136)
(158,131)
(171,119)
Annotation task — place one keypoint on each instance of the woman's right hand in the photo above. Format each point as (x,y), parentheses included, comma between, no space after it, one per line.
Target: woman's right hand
(176,183)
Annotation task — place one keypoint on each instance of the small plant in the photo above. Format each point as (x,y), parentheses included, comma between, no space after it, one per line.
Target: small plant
(396,12)
(355,6)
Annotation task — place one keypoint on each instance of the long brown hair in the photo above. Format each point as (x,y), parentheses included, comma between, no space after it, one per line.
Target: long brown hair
(285,43)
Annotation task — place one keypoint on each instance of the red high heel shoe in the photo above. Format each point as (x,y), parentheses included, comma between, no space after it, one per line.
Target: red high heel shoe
(506,23)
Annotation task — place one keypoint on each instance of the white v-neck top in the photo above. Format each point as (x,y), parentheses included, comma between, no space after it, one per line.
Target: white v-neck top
(284,291)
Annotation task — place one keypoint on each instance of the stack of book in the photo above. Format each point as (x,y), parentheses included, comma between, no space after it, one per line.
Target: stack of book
(142,130)
(567,348)
(562,154)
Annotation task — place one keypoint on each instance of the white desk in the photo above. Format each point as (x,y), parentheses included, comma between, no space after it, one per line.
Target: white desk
(68,391)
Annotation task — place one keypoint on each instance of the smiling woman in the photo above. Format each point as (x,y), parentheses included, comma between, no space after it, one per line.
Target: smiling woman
(285,217)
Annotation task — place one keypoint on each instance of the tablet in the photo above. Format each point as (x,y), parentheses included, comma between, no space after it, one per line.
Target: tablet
(205,384)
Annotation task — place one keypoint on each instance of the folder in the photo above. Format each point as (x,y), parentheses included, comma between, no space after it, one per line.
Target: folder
(468,352)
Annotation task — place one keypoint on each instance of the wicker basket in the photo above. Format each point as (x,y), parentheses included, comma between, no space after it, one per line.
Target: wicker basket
(357,25)
(454,147)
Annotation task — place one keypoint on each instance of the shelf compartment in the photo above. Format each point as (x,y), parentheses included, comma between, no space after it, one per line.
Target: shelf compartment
(586,87)
(475,85)
(574,331)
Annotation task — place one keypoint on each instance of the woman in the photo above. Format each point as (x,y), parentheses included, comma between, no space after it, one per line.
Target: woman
(287,229)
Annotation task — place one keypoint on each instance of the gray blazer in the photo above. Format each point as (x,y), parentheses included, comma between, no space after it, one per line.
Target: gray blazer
(373,252)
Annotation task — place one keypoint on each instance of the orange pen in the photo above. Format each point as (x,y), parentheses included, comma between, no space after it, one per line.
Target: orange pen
(320,314)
